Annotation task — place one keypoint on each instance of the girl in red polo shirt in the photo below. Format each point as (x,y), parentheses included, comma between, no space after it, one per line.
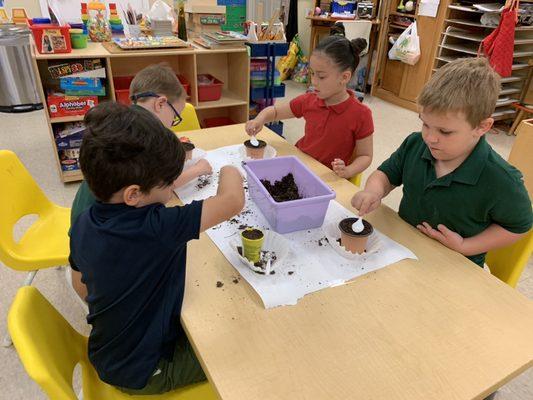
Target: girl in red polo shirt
(338,128)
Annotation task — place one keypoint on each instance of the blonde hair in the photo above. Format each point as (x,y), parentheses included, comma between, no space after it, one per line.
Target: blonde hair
(467,85)
(160,79)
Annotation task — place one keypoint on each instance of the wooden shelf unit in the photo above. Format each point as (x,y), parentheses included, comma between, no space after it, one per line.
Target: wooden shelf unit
(231,66)
(461,36)
(397,82)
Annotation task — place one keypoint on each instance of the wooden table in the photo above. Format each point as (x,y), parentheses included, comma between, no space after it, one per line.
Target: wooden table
(437,328)
(322,25)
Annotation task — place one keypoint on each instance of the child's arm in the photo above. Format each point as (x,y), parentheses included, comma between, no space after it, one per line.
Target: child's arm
(228,202)
(377,187)
(202,167)
(269,114)
(491,238)
(362,160)
(78,285)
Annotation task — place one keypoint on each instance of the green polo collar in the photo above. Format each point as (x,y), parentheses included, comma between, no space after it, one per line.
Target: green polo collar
(470,170)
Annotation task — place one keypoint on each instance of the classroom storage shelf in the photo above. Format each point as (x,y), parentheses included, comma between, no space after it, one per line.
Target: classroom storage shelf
(231,66)
(461,36)
(270,90)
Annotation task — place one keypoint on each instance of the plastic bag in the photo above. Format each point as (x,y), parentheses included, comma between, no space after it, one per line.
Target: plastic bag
(407,47)
(160,11)
(301,72)
(287,63)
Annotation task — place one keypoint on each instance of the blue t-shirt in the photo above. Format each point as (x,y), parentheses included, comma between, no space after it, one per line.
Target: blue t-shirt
(133,263)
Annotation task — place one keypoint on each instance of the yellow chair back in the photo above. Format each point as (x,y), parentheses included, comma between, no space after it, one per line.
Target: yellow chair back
(45,243)
(189,120)
(50,349)
(508,263)
(356,180)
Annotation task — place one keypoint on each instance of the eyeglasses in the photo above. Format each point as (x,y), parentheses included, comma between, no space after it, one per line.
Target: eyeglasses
(177,117)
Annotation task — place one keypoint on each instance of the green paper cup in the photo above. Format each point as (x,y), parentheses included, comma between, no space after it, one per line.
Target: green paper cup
(252,243)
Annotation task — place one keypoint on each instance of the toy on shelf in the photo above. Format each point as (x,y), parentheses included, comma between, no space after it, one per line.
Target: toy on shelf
(4,18)
(114,20)
(19,16)
(97,24)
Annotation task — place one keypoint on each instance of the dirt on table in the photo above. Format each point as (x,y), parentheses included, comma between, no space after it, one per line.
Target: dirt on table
(283,190)
(262,263)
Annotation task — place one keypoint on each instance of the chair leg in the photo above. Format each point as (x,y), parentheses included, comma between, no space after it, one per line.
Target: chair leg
(516,122)
(7,342)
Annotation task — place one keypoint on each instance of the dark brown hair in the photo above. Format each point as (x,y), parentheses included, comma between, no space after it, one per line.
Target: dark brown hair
(125,146)
(343,52)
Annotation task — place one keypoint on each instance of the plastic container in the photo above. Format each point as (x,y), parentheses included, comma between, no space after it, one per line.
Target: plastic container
(289,216)
(218,121)
(185,83)
(341,6)
(78,39)
(211,91)
(51,39)
(122,89)
(98,24)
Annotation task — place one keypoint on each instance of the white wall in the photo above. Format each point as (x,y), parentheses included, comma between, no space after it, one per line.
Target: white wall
(32,7)
(304,26)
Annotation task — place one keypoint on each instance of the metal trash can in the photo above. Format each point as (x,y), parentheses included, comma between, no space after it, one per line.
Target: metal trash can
(18,86)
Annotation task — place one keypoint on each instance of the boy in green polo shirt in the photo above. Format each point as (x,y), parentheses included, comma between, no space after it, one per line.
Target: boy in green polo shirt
(456,188)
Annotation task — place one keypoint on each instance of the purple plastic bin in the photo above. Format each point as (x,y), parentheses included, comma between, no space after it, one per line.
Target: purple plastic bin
(289,216)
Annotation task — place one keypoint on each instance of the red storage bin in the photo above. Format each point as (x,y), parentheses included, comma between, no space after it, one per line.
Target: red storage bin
(185,83)
(218,121)
(122,89)
(209,92)
(51,39)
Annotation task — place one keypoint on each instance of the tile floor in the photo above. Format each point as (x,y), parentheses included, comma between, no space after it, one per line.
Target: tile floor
(27,135)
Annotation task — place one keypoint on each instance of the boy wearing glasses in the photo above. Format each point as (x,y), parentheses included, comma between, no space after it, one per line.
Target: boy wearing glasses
(156,89)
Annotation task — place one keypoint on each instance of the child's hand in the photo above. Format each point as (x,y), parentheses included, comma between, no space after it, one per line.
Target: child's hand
(339,167)
(253,127)
(365,202)
(203,167)
(448,238)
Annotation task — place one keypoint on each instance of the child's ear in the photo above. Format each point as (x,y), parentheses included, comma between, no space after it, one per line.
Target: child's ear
(346,77)
(159,103)
(132,195)
(484,126)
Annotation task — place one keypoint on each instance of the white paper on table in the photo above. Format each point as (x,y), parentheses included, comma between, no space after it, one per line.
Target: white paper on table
(309,266)
(229,155)
(428,8)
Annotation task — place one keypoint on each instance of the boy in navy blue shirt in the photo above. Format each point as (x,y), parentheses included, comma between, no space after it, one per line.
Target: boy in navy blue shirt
(131,249)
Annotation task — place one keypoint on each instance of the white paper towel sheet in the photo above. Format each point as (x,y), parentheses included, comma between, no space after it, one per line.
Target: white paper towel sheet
(312,264)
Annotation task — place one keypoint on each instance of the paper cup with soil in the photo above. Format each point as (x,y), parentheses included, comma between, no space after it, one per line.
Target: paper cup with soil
(255,152)
(270,152)
(274,248)
(252,243)
(355,241)
(189,147)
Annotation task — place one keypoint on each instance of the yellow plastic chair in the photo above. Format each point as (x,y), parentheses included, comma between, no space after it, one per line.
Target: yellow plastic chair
(356,180)
(45,244)
(50,349)
(189,120)
(508,263)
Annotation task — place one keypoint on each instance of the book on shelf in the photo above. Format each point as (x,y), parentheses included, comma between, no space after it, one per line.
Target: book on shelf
(209,43)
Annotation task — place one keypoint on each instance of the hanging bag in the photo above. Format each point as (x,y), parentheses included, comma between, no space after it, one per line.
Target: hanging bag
(407,47)
(498,47)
